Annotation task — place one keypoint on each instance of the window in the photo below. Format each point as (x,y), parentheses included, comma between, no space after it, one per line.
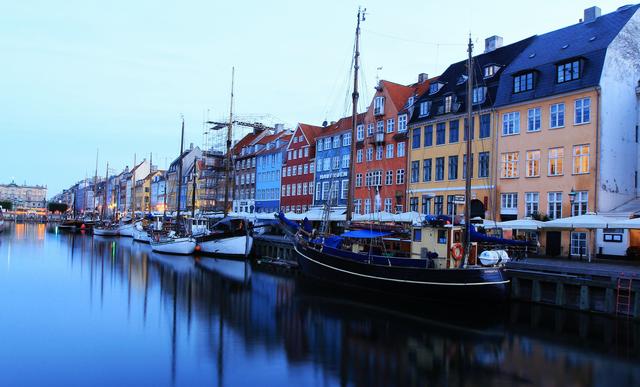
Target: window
(580,202)
(424,108)
(580,159)
(336,162)
(415,171)
(378,105)
(387,204)
(311,167)
(370,153)
(522,82)
(304,188)
(568,71)
(490,70)
(439,168)
(390,151)
(434,87)
(438,202)
(451,205)
(413,205)
(368,180)
(509,203)
(367,206)
(305,168)
(379,152)
(533,121)
(380,127)
(426,170)
(357,207)
(509,165)
(556,156)
(448,102)
(359,156)
(318,192)
(359,180)
(453,167)
(578,243)
(440,133)
(510,123)
(415,141)
(428,135)
(327,143)
(360,132)
(479,94)
(402,123)
(464,166)
(326,164)
(400,176)
(344,189)
(389,177)
(336,141)
(426,204)
(401,149)
(390,125)
(533,163)
(557,116)
(485,125)
(346,159)
(453,131)
(483,164)
(369,130)
(531,200)
(346,139)
(417,232)
(583,111)
(554,201)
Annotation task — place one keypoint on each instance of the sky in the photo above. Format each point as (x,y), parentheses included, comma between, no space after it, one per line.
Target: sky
(114,78)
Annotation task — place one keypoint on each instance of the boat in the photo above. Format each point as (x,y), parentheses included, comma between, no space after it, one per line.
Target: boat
(126,228)
(382,262)
(106,230)
(229,238)
(140,234)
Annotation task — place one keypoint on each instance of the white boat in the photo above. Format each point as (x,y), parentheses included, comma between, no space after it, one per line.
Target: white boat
(126,229)
(106,230)
(172,244)
(229,238)
(140,234)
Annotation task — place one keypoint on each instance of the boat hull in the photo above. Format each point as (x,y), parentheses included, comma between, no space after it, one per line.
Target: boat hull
(105,231)
(141,236)
(177,246)
(235,247)
(126,230)
(472,284)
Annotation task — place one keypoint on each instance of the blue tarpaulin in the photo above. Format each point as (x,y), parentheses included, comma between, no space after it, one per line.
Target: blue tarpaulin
(364,234)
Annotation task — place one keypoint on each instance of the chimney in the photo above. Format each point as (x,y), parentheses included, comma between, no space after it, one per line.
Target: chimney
(191,146)
(324,123)
(279,128)
(492,42)
(422,77)
(591,14)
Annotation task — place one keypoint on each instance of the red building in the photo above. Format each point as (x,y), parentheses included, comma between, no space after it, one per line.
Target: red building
(381,148)
(298,169)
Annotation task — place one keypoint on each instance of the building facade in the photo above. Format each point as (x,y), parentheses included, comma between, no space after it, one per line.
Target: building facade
(269,162)
(24,196)
(244,161)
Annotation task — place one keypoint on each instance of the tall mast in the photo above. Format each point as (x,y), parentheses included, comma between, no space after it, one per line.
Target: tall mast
(354,115)
(180,175)
(95,185)
(193,191)
(229,134)
(106,186)
(468,169)
(133,187)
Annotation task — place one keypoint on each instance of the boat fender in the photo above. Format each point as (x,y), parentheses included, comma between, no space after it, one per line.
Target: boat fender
(456,251)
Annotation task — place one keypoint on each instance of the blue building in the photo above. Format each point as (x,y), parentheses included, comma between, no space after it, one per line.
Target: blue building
(333,157)
(268,171)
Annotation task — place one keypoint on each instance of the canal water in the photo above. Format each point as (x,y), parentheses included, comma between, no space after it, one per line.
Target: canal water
(77,310)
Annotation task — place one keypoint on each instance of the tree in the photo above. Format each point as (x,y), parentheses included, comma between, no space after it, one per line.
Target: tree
(57,207)
(6,205)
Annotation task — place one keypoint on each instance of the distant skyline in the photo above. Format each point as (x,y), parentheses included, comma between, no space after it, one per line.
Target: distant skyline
(77,76)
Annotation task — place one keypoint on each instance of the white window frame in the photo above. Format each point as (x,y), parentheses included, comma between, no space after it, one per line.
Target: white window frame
(510,123)
(509,203)
(533,163)
(555,157)
(556,115)
(534,119)
(509,161)
(578,155)
(554,205)
(531,203)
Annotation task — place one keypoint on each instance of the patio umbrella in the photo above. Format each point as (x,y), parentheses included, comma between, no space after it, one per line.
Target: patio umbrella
(381,216)
(589,221)
(521,224)
(625,223)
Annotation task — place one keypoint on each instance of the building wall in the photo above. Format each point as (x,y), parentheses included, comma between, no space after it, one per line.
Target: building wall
(619,107)
(244,189)
(295,160)
(24,196)
(543,140)
(268,170)
(331,177)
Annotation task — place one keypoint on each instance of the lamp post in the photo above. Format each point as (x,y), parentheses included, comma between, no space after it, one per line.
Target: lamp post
(572,199)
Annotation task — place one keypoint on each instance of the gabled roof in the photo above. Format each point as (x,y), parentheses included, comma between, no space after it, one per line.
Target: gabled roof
(454,84)
(278,148)
(397,93)
(310,132)
(586,40)
(340,126)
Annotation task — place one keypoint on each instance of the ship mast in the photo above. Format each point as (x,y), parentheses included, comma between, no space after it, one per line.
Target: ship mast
(229,137)
(354,115)
(106,186)
(468,169)
(95,186)
(180,176)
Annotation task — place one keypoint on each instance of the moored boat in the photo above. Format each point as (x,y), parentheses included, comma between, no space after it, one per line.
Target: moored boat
(172,244)
(106,230)
(230,238)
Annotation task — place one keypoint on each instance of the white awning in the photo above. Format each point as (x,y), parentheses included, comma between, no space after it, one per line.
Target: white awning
(587,221)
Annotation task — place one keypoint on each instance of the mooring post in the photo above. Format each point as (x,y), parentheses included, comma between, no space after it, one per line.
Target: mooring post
(584,297)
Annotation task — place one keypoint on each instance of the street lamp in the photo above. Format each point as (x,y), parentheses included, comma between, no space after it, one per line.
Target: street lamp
(572,199)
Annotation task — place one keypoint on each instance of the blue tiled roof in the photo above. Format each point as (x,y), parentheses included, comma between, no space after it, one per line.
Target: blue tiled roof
(587,41)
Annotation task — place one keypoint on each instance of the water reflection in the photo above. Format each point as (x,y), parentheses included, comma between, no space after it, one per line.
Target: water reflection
(223,323)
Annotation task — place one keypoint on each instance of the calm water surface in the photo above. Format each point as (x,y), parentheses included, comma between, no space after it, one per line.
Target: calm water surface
(82,311)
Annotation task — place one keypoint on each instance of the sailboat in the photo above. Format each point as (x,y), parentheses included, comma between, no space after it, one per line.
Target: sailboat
(173,242)
(229,238)
(360,258)
(105,228)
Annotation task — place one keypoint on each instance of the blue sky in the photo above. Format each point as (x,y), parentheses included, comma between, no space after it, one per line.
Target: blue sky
(76,76)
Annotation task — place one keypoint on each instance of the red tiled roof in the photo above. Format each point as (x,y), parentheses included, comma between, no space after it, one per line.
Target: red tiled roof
(397,93)
(341,125)
(310,131)
(246,140)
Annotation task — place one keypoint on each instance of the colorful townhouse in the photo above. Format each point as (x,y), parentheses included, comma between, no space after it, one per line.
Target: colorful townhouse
(269,162)
(439,130)
(298,169)
(158,191)
(568,127)
(174,187)
(381,148)
(243,193)
(333,157)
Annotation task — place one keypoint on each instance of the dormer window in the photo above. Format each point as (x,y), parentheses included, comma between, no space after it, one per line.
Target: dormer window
(378,106)
(424,108)
(463,78)
(435,87)
(479,94)
(490,70)
(410,101)
(523,82)
(448,102)
(568,71)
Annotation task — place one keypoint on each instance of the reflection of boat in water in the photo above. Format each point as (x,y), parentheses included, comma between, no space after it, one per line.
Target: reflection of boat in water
(239,271)
(179,264)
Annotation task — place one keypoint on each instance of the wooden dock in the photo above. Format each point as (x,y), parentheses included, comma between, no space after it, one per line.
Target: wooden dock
(600,287)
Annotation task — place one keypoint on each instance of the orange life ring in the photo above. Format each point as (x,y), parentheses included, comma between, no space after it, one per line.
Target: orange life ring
(456,251)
